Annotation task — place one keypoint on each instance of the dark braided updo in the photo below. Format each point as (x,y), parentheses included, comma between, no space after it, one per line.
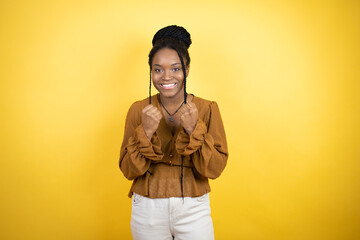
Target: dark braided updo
(176,38)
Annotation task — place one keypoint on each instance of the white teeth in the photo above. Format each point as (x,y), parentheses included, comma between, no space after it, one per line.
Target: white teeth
(168,85)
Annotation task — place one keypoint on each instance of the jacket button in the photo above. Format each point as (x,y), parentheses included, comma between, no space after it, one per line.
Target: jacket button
(170,163)
(171,155)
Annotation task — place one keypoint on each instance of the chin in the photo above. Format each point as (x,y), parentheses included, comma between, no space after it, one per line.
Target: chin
(171,94)
(168,94)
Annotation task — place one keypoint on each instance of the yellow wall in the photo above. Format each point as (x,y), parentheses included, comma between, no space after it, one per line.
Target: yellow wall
(284,73)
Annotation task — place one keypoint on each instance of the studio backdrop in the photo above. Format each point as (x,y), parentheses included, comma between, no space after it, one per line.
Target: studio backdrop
(285,75)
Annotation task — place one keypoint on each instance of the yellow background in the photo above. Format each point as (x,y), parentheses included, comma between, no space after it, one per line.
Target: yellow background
(284,73)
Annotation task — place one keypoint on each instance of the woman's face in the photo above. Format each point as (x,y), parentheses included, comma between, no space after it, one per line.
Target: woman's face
(167,73)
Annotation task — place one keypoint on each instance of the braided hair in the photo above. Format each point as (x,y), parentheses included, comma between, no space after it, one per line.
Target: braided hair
(176,38)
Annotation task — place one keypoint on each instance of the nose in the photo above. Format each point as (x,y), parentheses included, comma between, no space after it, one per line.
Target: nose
(167,75)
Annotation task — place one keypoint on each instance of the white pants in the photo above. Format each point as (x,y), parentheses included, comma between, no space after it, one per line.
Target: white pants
(171,218)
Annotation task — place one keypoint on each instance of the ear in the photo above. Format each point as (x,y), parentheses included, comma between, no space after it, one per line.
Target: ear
(187,71)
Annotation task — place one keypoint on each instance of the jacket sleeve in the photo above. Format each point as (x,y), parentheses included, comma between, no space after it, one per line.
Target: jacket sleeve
(137,151)
(206,145)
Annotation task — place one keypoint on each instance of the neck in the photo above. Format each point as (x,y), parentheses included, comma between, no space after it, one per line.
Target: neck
(172,102)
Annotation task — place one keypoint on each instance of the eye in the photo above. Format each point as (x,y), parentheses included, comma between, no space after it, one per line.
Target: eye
(157,70)
(176,69)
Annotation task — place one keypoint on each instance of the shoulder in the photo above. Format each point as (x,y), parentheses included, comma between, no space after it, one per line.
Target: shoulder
(207,109)
(140,104)
(136,108)
(203,104)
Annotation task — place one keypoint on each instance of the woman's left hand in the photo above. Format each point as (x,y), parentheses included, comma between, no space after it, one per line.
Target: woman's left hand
(188,117)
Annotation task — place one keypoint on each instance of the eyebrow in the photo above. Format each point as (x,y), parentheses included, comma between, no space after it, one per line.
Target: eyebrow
(171,64)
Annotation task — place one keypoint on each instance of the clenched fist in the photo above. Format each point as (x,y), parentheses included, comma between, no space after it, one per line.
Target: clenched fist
(188,117)
(151,117)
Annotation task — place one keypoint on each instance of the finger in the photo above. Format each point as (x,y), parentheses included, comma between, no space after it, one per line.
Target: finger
(183,117)
(192,106)
(158,111)
(185,108)
(147,107)
(182,111)
(158,115)
(193,110)
(152,111)
(186,114)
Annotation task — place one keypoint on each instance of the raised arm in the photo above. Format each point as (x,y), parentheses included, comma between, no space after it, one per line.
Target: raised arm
(137,150)
(206,144)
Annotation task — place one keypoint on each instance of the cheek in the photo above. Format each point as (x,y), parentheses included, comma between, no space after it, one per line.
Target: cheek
(155,78)
(179,75)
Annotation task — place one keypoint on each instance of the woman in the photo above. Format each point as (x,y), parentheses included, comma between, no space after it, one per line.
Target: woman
(173,143)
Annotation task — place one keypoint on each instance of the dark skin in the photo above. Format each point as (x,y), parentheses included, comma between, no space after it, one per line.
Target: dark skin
(167,76)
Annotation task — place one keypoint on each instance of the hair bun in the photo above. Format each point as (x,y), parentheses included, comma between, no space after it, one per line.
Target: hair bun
(173,31)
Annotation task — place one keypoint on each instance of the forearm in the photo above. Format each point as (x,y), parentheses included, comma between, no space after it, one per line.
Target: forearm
(209,160)
(209,156)
(137,154)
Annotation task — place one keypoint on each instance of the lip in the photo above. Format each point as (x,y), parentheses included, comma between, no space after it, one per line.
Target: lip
(168,85)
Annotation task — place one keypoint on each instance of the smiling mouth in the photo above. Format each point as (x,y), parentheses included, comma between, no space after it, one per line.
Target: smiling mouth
(168,86)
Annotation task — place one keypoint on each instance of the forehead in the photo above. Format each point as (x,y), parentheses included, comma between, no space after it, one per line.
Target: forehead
(166,56)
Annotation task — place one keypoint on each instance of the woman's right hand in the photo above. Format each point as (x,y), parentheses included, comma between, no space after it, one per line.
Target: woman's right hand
(151,117)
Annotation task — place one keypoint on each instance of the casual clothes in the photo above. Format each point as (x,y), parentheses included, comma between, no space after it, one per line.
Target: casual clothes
(163,218)
(155,166)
